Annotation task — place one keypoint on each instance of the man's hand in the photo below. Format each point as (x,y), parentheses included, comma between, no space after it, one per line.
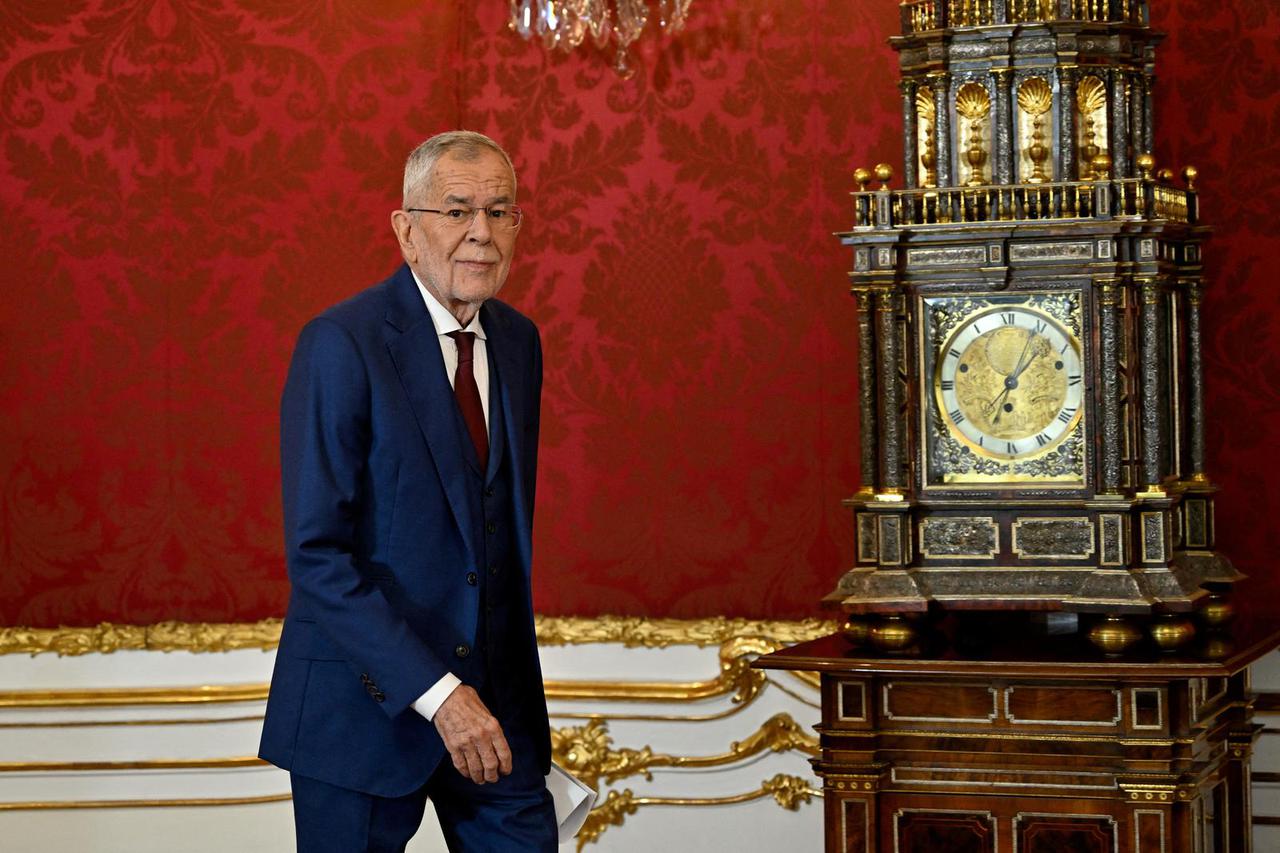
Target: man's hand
(473,737)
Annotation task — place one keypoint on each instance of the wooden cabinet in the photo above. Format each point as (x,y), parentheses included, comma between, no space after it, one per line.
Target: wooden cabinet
(1015,741)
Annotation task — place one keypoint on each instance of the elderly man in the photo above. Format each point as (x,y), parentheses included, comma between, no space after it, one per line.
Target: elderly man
(409,439)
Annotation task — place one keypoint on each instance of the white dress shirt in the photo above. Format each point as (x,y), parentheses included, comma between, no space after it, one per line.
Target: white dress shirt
(428,703)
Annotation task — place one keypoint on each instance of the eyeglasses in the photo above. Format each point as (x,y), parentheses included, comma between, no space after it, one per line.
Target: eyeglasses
(499,216)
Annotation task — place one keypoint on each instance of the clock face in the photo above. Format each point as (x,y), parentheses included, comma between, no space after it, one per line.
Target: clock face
(1009,383)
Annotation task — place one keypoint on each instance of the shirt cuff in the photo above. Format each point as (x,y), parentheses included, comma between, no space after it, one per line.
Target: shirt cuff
(428,703)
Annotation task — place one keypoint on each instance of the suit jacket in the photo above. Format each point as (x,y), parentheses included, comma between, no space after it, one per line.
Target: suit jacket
(380,536)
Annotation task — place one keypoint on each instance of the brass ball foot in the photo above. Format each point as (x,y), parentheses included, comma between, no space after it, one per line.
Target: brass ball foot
(856,630)
(1171,632)
(894,634)
(1217,611)
(1114,634)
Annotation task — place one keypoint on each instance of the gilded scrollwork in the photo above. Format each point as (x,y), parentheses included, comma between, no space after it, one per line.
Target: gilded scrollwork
(587,751)
(788,791)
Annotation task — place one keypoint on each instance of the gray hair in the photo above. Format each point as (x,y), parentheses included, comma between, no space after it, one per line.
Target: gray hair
(465,144)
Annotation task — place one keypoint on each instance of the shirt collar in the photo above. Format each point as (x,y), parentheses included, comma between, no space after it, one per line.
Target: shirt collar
(440,316)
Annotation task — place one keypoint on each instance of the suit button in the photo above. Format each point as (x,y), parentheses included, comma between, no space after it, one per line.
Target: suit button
(364,678)
(472,578)
(488,492)
(379,696)
(492,527)
(493,569)
(462,650)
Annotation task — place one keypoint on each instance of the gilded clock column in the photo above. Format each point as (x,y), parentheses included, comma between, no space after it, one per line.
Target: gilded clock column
(911,133)
(1109,296)
(1119,118)
(1002,126)
(1067,117)
(1151,357)
(942,125)
(893,475)
(867,396)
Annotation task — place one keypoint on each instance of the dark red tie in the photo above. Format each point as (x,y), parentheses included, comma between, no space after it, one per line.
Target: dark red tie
(468,394)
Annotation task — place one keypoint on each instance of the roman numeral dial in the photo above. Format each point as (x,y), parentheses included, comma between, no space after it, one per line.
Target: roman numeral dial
(1009,382)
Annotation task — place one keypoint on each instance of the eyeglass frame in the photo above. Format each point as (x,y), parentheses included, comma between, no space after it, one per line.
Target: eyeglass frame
(516,211)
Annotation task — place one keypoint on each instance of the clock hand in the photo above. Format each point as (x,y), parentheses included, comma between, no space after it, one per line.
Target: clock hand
(995,405)
(1018,368)
(1011,381)
(1023,366)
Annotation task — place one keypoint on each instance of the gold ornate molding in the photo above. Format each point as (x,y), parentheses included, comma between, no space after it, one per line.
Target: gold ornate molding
(143,804)
(630,631)
(115,696)
(790,792)
(160,637)
(736,677)
(634,631)
(228,763)
(587,751)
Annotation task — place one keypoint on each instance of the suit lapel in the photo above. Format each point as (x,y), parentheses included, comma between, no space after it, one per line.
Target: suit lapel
(497,422)
(511,400)
(415,351)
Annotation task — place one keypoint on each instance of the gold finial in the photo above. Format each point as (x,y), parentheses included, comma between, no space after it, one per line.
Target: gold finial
(883,173)
(1102,166)
(1165,175)
(1146,162)
(862,177)
(1189,174)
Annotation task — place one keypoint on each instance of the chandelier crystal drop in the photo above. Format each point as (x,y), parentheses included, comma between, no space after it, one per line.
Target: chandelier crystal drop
(565,24)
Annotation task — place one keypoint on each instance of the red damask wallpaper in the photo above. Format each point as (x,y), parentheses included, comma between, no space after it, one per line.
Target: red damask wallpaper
(185,182)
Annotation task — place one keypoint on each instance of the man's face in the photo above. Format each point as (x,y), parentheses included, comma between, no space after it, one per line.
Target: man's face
(461,264)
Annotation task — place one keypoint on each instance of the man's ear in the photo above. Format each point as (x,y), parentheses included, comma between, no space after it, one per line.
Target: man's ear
(402,224)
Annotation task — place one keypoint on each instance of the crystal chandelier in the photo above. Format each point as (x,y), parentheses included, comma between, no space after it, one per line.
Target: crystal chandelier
(564,24)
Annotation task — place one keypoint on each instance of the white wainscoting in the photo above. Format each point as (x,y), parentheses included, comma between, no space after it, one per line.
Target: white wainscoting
(68,773)
(1266,757)
(189,767)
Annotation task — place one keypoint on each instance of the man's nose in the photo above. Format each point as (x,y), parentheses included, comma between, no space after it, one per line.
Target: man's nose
(480,230)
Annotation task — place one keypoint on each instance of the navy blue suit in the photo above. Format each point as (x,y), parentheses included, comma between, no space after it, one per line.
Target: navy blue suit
(406,561)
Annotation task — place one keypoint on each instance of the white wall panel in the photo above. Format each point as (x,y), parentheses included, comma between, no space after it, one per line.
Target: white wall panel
(64,757)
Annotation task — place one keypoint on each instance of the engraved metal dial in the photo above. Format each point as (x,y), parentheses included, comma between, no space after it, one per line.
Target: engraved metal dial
(1009,382)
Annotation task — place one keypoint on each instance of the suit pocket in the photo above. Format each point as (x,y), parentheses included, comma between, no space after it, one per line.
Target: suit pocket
(305,639)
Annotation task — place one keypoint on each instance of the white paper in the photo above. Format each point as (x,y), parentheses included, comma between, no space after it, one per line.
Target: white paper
(573,801)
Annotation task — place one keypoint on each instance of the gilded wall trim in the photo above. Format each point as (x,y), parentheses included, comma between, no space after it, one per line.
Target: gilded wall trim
(588,753)
(631,631)
(736,678)
(116,696)
(160,637)
(740,640)
(143,804)
(227,763)
(640,631)
(790,792)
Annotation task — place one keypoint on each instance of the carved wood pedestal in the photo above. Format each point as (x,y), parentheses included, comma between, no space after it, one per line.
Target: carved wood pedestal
(1024,742)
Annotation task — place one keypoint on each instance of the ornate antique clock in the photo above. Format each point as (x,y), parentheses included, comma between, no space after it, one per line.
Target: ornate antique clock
(1029,335)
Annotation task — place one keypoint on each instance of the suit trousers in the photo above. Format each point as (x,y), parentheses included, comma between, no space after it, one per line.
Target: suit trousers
(513,814)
